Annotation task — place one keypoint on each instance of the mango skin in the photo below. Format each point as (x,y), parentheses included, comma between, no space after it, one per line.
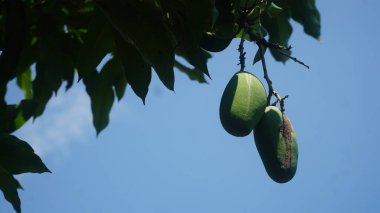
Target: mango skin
(277,145)
(243,104)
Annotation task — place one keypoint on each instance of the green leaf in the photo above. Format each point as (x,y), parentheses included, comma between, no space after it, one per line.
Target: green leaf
(27,58)
(306,13)
(9,186)
(133,20)
(258,55)
(102,98)
(196,57)
(137,71)
(114,73)
(213,43)
(273,10)
(224,26)
(97,43)
(279,30)
(24,81)
(17,156)
(55,63)
(193,74)
(188,20)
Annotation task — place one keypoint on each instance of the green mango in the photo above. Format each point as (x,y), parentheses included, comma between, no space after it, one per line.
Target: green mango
(243,104)
(276,142)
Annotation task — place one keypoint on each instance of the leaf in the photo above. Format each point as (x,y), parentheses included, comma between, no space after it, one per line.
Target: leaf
(133,19)
(189,20)
(16,30)
(306,13)
(273,10)
(9,186)
(27,58)
(193,74)
(24,81)
(114,73)
(279,30)
(258,56)
(102,98)
(137,71)
(213,43)
(17,156)
(196,57)
(225,24)
(97,43)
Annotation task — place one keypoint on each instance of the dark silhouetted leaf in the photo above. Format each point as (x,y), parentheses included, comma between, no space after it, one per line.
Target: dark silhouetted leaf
(279,30)
(15,38)
(137,71)
(224,27)
(306,13)
(17,156)
(54,64)
(102,98)
(97,43)
(193,74)
(258,56)
(196,57)
(213,43)
(133,20)
(114,73)
(27,58)
(189,20)
(9,186)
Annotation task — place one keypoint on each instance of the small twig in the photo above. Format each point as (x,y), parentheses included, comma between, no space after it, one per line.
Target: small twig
(294,59)
(282,107)
(242,53)
(276,46)
(266,76)
(279,49)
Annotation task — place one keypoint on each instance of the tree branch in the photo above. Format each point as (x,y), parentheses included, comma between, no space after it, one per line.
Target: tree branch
(266,76)
(242,53)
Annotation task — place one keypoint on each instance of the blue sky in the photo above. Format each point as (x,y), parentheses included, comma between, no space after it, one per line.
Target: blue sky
(173,155)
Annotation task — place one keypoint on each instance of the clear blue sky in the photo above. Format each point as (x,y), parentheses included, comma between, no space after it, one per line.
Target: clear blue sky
(173,156)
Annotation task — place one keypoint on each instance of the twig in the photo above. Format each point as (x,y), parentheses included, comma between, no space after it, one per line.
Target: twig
(279,49)
(282,107)
(294,59)
(242,53)
(266,76)
(276,46)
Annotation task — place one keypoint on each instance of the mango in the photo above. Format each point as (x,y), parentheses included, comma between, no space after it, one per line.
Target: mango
(276,142)
(243,104)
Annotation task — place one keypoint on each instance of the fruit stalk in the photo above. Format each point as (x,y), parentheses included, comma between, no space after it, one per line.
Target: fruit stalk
(266,76)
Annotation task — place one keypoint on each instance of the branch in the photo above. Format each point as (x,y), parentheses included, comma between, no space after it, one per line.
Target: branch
(294,59)
(242,53)
(266,76)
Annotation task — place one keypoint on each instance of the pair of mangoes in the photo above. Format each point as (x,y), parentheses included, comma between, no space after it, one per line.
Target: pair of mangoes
(243,108)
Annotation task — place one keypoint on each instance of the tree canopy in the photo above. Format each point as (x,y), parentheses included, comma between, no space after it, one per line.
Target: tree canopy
(44,44)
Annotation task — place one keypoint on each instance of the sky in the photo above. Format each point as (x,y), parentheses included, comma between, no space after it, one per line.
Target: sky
(172,155)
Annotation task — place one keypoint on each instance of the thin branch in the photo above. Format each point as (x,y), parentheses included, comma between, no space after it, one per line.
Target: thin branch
(279,49)
(282,107)
(294,59)
(276,46)
(266,76)
(242,53)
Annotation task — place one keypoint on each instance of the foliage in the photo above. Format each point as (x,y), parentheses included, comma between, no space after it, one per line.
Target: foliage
(62,38)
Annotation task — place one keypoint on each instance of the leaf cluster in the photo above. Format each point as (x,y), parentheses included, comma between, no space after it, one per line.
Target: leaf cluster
(44,44)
